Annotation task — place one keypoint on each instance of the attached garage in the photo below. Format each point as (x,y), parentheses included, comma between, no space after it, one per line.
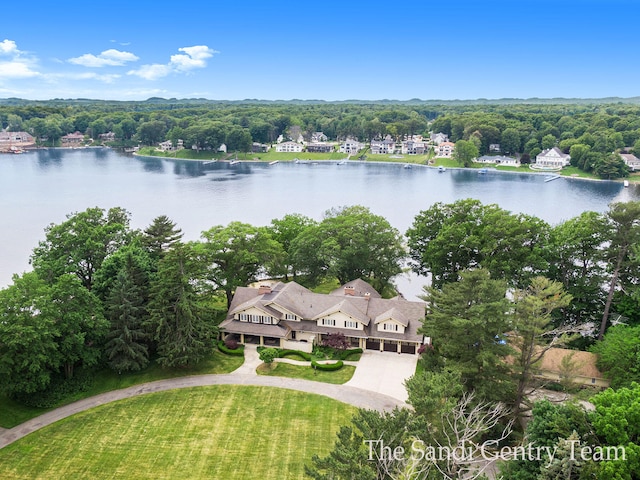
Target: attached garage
(373,344)
(390,346)
(408,348)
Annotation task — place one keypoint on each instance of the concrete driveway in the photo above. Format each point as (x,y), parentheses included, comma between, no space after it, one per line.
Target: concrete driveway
(384,372)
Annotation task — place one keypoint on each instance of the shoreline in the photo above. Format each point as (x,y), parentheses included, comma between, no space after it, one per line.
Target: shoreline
(528,171)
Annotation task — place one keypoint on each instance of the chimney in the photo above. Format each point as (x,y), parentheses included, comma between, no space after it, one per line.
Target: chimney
(264,289)
(367,296)
(350,290)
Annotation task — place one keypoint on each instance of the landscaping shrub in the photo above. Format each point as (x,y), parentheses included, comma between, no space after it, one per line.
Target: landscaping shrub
(292,353)
(345,354)
(239,352)
(59,389)
(231,343)
(327,367)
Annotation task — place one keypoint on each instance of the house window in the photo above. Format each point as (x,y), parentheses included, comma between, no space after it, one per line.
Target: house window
(390,327)
(243,317)
(349,324)
(330,322)
(255,318)
(290,316)
(266,320)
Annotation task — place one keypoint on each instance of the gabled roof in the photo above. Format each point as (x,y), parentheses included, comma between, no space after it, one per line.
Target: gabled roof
(346,307)
(392,314)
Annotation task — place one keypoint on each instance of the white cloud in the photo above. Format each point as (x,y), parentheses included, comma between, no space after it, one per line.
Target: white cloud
(106,78)
(18,65)
(193,57)
(8,47)
(111,57)
(16,69)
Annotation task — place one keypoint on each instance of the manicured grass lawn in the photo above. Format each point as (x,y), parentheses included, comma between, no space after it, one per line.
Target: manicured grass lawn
(277,369)
(220,432)
(13,413)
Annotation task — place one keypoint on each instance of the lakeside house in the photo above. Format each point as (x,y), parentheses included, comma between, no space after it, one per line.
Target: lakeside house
(632,161)
(498,160)
(551,159)
(445,149)
(168,146)
(351,146)
(385,146)
(320,147)
(318,137)
(259,147)
(107,137)
(289,147)
(10,141)
(413,147)
(72,139)
(288,315)
(438,138)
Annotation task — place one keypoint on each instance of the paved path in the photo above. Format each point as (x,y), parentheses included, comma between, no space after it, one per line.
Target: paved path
(244,375)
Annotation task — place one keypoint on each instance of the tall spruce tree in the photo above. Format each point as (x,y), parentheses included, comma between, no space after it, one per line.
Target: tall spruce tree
(127,346)
(177,316)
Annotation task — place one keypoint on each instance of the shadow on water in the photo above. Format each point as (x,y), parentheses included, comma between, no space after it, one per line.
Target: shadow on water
(151,165)
(49,158)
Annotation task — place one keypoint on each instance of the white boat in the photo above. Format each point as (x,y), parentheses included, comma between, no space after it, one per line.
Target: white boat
(407,165)
(441,169)
(233,162)
(482,171)
(626,183)
(341,162)
(274,162)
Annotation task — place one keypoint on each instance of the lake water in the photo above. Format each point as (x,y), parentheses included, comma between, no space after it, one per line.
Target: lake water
(41,187)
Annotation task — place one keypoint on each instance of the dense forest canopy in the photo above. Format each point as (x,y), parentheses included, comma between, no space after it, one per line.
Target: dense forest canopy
(593,132)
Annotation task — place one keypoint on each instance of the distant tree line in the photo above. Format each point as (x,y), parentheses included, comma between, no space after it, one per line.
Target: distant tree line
(593,134)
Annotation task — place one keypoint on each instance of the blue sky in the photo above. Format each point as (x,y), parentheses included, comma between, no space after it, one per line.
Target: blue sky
(330,50)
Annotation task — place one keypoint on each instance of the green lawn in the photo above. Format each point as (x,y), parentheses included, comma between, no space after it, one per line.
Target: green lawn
(278,369)
(13,413)
(219,432)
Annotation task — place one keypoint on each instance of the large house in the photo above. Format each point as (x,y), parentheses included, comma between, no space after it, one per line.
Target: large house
(445,149)
(552,159)
(289,147)
(351,146)
(413,147)
(287,315)
(386,146)
(71,139)
(15,141)
(320,147)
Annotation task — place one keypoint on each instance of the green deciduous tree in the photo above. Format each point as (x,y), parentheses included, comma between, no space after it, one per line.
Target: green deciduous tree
(448,238)
(237,254)
(285,230)
(28,348)
(464,152)
(619,355)
(80,244)
(350,243)
(80,323)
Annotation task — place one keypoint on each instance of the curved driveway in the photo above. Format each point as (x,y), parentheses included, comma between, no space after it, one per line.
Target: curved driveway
(244,375)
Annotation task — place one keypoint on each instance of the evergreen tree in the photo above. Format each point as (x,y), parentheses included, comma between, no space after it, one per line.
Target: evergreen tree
(161,235)
(177,317)
(127,348)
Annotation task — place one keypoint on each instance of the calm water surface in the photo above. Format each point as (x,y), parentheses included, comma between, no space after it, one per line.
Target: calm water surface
(41,187)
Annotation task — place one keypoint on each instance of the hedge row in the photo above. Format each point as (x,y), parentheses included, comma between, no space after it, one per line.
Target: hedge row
(327,367)
(347,353)
(288,353)
(239,352)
